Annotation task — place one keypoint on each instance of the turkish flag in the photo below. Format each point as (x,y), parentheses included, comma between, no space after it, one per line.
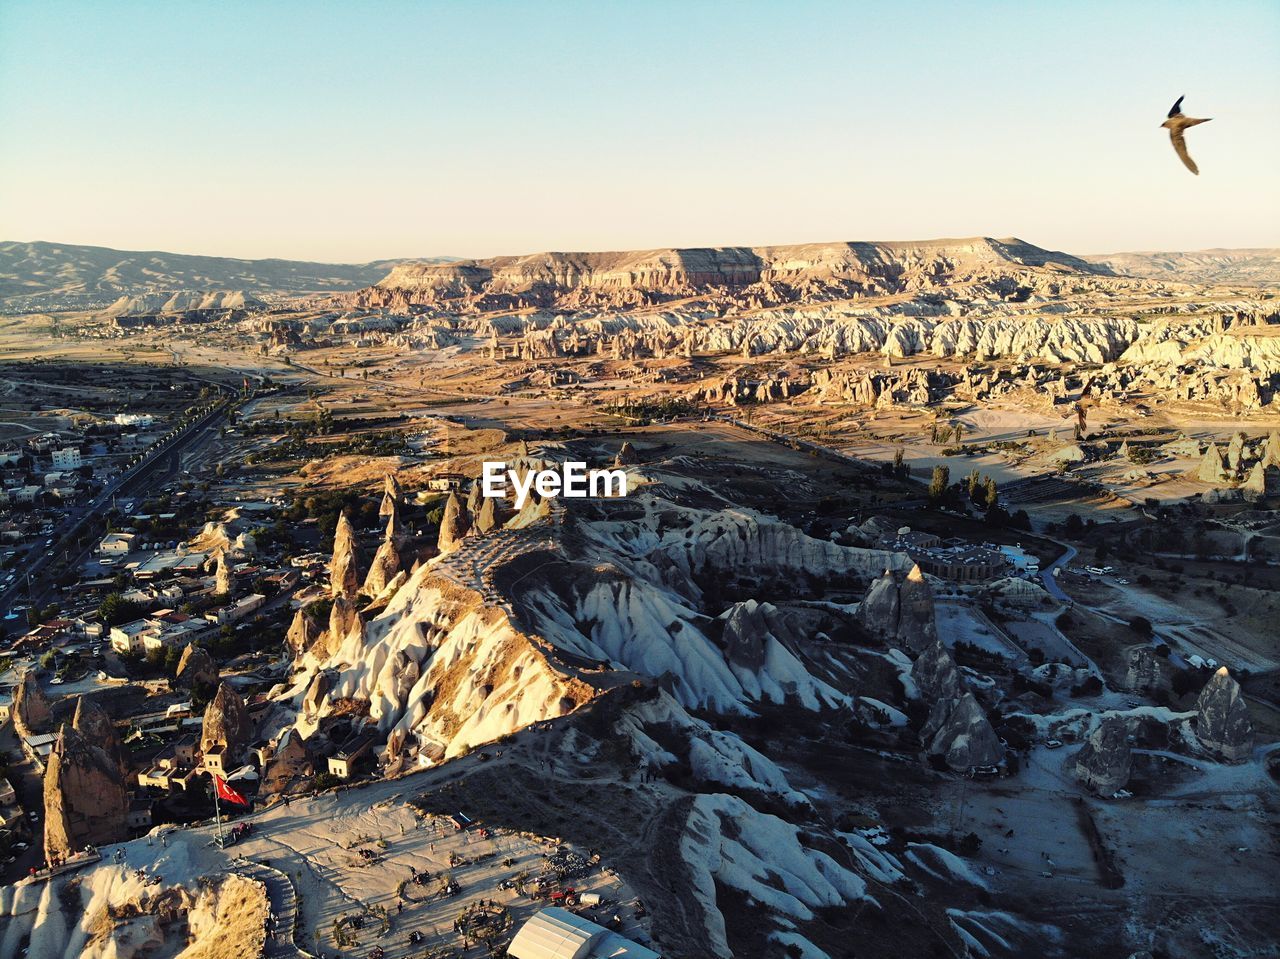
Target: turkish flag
(226,793)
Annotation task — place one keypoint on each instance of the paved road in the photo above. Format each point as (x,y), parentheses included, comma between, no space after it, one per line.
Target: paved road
(1050,580)
(40,571)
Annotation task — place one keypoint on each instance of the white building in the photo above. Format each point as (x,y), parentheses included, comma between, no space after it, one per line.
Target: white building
(116,544)
(27,494)
(154,633)
(556,933)
(237,610)
(68,459)
(129,637)
(134,419)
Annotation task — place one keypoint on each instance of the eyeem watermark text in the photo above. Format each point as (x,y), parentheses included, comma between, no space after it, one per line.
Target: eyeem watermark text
(572,480)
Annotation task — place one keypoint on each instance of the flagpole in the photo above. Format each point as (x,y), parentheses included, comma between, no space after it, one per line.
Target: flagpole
(217,812)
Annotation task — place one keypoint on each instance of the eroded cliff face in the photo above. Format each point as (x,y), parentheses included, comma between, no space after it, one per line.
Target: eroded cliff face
(1106,760)
(32,709)
(959,731)
(226,723)
(196,667)
(441,665)
(750,275)
(85,801)
(455,661)
(1222,718)
(900,610)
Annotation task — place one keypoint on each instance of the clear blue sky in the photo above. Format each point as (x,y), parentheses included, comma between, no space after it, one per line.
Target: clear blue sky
(357,131)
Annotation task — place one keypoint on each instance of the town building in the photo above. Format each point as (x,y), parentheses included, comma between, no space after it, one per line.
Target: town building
(215,759)
(954,559)
(174,767)
(116,544)
(344,762)
(236,611)
(446,482)
(67,459)
(162,629)
(138,818)
(142,420)
(27,495)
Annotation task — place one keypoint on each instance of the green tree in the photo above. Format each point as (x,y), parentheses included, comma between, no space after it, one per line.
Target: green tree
(974,484)
(115,609)
(899,463)
(939,483)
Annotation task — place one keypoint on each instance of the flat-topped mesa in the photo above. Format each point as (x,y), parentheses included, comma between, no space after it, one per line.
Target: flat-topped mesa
(1222,718)
(343,568)
(1105,762)
(762,274)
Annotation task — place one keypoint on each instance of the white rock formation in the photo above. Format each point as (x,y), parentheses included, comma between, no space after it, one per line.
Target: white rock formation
(1223,725)
(1105,762)
(344,577)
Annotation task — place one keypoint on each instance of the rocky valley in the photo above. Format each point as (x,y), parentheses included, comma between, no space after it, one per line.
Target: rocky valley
(935,617)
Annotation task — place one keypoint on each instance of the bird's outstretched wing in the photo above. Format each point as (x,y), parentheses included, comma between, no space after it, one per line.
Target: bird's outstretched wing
(1177,107)
(1180,145)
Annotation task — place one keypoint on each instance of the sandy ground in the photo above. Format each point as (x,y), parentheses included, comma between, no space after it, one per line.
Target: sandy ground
(316,842)
(1190,631)
(962,623)
(1207,843)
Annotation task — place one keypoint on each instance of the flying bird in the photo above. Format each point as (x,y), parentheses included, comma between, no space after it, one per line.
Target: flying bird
(1176,124)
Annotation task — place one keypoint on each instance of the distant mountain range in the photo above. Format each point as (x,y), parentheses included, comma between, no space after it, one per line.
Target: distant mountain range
(56,276)
(1245,267)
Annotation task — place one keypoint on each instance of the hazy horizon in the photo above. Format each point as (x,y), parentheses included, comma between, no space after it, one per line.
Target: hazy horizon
(452,257)
(420,130)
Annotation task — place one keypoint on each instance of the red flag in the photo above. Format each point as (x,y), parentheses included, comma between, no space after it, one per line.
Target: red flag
(226,793)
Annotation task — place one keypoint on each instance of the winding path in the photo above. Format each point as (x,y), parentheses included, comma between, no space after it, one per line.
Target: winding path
(284,906)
